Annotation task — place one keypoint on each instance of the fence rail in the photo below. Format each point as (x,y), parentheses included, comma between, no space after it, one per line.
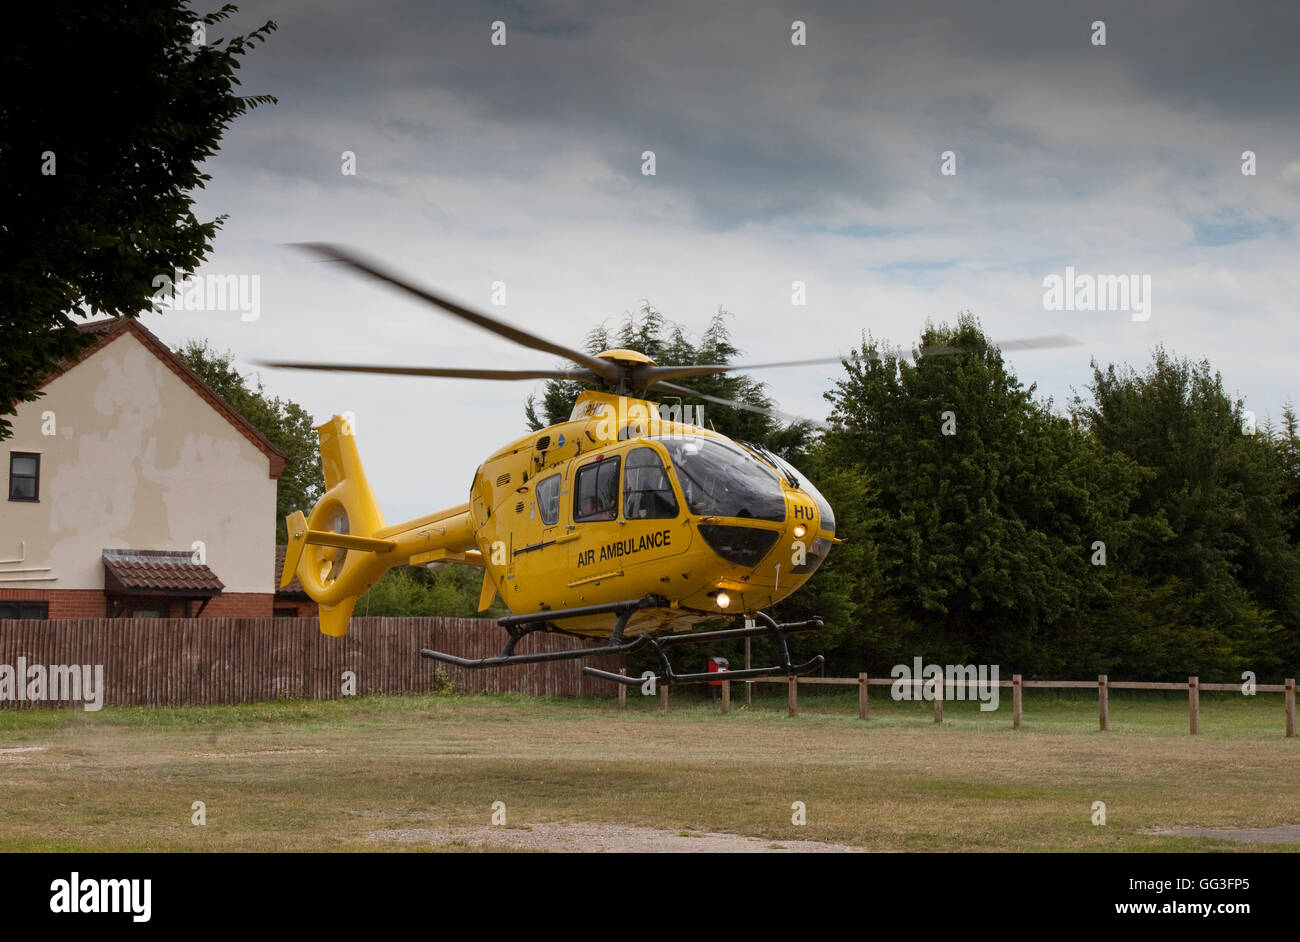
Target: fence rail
(937,688)
(175,661)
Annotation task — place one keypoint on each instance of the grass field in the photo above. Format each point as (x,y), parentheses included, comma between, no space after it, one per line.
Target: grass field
(297,775)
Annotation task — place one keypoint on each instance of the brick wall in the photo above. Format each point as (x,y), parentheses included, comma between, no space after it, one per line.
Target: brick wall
(240,605)
(92,603)
(64,603)
(295,608)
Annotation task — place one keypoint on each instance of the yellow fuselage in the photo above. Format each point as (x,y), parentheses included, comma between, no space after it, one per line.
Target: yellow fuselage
(568,561)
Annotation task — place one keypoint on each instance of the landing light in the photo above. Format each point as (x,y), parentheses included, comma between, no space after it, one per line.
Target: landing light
(799,531)
(723,600)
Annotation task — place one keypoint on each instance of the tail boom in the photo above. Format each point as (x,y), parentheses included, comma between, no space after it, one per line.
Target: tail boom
(344,546)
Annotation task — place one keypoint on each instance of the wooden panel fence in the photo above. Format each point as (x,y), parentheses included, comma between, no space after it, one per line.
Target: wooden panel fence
(175,661)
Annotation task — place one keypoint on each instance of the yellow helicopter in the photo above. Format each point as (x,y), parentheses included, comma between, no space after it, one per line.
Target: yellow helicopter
(626,523)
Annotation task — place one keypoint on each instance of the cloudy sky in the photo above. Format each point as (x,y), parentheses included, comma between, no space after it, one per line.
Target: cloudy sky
(774,163)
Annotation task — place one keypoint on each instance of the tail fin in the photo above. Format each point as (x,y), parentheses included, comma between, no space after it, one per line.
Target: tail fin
(342,548)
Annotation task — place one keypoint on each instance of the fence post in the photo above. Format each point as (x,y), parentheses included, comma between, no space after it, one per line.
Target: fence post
(862,696)
(1193,705)
(1015,701)
(622,690)
(1103,702)
(793,695)
(1290,706)
(938,699)
(663,697)
(749,684)
(726,697)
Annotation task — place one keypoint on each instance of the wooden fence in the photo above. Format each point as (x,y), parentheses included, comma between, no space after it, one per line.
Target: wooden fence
(1103,684)
(175,661)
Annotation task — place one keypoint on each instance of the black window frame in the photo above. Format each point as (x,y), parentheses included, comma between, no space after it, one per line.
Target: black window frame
(36,478)
(596,468)
(548,502)
(18,606)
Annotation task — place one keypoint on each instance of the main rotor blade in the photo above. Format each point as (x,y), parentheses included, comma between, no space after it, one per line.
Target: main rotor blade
(653,374)
(333,253)
(747,406)
(1025,343)
(585,376)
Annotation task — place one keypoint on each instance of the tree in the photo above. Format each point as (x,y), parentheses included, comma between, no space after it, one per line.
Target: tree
(109,111)
(666,342)
(451,591)
(285,423)
(986,505)
(1222,490)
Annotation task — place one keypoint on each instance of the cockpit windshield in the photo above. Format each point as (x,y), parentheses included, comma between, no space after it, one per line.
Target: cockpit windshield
(722,480)
(800,480)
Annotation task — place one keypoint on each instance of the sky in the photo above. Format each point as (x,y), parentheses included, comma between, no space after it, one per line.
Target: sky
(905,162)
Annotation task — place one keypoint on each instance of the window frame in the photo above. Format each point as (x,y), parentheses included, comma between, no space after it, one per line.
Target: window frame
(537,495)
(18,605)
(596,466)
(36,478)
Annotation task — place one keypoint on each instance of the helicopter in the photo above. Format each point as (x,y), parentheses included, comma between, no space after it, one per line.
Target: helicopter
(628,523)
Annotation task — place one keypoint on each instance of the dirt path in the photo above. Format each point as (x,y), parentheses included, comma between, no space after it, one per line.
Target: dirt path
(1282,834)
(606,838)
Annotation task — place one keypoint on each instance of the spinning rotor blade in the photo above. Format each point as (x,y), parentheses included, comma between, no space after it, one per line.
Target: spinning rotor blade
(602,368)
(585,376)
(1025,343)
(658,374)
(748,407)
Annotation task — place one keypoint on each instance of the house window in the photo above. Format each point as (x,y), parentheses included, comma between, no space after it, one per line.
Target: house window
(24,475)
(39,610)
(595,494)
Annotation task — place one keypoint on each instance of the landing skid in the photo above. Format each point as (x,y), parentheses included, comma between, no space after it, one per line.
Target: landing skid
(521,625)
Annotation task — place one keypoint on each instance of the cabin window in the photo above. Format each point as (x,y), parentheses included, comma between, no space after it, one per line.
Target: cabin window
(595,491)
(24,476)
(548,500)
(647,495)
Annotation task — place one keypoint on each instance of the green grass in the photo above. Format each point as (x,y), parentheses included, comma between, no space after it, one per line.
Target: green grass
(305,775)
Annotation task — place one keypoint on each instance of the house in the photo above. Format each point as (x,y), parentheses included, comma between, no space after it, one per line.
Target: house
(135,490)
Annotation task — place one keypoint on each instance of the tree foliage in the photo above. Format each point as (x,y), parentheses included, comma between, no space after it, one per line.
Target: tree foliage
(109,111)
(1229,569)
(666,342)
(417,591)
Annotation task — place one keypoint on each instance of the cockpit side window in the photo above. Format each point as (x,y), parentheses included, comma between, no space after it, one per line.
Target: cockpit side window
(647,493)
(595,491)
(548,499)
